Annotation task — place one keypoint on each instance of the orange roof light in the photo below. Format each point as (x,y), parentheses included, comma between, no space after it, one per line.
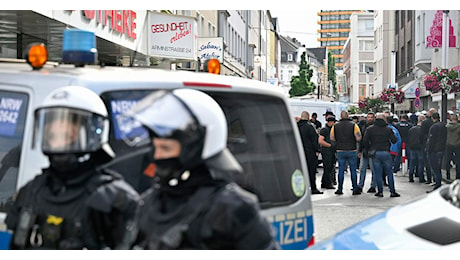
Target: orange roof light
(36,55)
(212,66)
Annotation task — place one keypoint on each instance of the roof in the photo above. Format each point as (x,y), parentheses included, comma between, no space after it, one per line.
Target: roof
(319,53)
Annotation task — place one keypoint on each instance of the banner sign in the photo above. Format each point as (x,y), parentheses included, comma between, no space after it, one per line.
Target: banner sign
(172,36)
(211,48)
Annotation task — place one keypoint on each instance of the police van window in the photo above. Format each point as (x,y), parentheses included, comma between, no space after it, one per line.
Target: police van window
(260,135)
(13,108)
(262,139)
(118,102)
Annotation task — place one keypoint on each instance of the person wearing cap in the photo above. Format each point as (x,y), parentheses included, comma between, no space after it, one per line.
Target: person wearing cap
(328,153)
(328,113)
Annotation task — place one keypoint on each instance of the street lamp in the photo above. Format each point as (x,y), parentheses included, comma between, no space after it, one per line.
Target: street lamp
(445,45)
(319,85)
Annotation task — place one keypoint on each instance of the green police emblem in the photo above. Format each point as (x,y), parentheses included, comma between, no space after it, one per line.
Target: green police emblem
(298,183)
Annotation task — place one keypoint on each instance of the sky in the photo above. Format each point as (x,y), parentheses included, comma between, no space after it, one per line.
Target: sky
(300,24)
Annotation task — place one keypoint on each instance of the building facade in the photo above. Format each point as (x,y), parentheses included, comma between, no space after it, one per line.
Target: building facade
(334,31)
(359,57)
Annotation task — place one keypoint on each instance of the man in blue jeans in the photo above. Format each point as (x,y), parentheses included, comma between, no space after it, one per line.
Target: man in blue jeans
(416,163)
(363,154)
(378,137)
(346,134)
(436,147)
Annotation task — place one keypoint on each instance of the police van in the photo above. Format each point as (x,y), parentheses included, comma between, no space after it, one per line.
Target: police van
(320,107)
(261,134)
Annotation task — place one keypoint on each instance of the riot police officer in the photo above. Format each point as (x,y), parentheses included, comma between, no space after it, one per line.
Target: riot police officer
(74,203)
(194,202)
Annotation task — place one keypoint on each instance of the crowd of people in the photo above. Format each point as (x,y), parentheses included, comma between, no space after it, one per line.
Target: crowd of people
(380,142)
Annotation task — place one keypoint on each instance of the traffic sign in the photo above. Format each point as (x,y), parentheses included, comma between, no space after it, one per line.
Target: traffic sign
(417,102)
(417,92)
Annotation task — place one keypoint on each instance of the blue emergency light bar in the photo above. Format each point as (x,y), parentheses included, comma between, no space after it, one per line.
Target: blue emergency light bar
(79,47)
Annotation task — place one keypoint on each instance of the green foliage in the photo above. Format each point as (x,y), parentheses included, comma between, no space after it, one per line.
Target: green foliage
(331,75)
(353,110)
(302,85)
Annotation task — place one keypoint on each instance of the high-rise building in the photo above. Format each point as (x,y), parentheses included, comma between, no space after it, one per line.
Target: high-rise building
(334,31)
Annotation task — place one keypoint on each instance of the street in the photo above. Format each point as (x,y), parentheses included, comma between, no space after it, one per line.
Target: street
(333,213)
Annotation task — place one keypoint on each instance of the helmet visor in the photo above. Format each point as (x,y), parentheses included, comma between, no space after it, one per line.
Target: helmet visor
(164,114)
(64,130)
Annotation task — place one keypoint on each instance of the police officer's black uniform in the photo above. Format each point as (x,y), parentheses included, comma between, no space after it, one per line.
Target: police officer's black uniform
(74,203)
(194,202)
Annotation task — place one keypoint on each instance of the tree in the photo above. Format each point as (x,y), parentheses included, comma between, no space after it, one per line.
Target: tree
(301,85)
(331,76)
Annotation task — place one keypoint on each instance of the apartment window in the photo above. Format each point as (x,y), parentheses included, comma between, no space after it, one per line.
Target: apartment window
(366,67)
(403,59)
(403,18)
(211,30)
(362,91)
(369,25)
(366,45)
(409,54)
(289,57)
(187,12)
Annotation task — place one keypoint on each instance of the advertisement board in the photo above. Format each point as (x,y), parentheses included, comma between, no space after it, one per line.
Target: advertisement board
(172,36)
(211,48)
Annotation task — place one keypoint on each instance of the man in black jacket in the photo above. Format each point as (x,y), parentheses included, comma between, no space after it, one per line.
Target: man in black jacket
(416,151)
(436,147)
(378,137)
(426,124)
(310,147)
(328,153)
(363,155)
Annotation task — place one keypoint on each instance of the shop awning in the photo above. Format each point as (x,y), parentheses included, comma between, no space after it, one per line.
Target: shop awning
(409,88)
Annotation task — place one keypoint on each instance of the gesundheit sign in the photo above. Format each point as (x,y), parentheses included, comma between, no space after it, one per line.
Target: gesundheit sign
(172,36)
